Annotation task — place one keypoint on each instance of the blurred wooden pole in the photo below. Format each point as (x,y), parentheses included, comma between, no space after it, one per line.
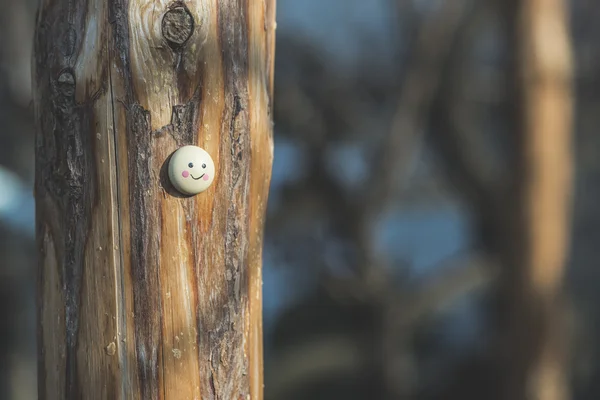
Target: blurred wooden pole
(536,365)
(144,294)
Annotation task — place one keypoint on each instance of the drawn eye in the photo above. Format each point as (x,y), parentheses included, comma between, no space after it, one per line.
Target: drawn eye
(191,165)
(203,165)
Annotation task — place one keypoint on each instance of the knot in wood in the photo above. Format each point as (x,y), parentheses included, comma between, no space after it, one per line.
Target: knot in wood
(66,83)
(177,26)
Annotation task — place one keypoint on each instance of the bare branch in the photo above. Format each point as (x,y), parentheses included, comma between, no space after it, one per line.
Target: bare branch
(398,150)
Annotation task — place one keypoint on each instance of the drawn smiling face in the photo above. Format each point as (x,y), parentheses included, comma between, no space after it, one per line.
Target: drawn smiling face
(191,170)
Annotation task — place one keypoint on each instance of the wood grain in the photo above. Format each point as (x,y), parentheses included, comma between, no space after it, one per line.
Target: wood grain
(144,293)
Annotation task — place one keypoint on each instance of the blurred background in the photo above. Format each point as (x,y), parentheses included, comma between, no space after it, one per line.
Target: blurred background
(396,159)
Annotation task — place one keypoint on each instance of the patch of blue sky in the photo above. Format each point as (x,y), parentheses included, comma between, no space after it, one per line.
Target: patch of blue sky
(423,237)
(339,25)
(17,206)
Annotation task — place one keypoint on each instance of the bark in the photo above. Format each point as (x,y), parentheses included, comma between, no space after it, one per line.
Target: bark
(144,293)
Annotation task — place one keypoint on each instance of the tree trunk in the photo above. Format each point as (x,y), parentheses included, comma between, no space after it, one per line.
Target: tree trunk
(535,367)
(144,293)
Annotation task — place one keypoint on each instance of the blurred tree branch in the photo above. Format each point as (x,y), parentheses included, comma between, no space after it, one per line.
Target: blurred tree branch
(532,284)
(399,148)
(434,43)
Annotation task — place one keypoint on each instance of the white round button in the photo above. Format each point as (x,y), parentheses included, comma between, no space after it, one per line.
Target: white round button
(191,170)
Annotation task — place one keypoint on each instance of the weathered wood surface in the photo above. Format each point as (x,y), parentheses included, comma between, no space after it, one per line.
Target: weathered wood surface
(144,293)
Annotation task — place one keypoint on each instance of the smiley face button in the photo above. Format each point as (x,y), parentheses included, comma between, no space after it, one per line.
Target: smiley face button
(191,170)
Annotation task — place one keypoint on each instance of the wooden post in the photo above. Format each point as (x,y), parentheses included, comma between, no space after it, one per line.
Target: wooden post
(536,358)
(144,293)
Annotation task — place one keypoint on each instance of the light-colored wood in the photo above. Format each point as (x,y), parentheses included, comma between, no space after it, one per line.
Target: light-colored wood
(537,363)
(546,71)
(145,293)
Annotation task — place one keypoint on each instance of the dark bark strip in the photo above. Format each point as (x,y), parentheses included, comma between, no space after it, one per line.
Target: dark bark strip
(65,174)
(229,378)
(185,120)
(145,250)
(145,235)
(117,14)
